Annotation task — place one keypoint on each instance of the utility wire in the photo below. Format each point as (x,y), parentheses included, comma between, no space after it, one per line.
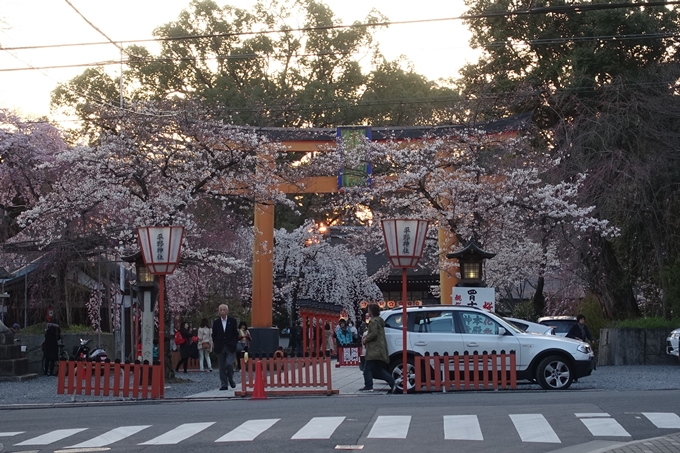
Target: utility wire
(111,41)
(541,10)
(533,11)
(250,56)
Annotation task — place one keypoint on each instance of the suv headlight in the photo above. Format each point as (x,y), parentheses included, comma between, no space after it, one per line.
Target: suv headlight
(675,335)
(584,348)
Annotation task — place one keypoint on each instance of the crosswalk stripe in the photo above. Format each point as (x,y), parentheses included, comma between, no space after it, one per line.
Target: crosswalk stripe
(534,428)
(462,427)
(248,430)
(604,427)
(390,427)
(110,437)
(663,419)
(52,436)
(178,434)
(530,428)
(319,428)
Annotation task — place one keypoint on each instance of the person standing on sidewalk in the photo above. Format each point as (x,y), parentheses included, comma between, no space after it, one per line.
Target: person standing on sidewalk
(204,344)
(51,347)
(225,337)
(376,352)
(244,340)
(184,347)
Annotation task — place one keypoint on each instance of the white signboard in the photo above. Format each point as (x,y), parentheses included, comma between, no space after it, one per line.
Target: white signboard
(475,297)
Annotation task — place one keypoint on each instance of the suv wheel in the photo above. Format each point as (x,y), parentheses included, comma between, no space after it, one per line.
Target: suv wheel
(554,373)
(395,369)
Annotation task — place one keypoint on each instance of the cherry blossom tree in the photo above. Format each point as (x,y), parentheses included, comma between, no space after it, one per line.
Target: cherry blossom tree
(310,267)
(489,188)
(27,150)
(153,166)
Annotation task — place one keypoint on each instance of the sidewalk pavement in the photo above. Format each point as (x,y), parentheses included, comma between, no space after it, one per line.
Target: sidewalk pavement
(663,444)
(347,379)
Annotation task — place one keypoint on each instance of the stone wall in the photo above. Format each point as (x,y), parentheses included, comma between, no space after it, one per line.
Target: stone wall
(631,346)
(34,352)
(12,366)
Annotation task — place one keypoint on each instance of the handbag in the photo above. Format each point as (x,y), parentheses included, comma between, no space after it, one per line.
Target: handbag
(206,345)
(239,347)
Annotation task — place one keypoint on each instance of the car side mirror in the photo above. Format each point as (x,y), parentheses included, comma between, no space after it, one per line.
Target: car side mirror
(501,330)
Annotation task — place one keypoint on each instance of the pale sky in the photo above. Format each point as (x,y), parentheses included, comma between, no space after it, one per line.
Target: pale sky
(437,49)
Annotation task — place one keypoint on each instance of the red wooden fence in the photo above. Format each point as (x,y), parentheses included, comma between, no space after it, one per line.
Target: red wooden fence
(289,376)
(109,379)
(466,372)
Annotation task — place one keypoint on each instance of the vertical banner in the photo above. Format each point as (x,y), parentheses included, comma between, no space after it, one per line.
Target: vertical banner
(475,297)
(147,328)
(348,139)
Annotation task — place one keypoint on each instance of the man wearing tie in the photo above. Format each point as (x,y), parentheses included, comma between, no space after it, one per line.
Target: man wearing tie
(225,337)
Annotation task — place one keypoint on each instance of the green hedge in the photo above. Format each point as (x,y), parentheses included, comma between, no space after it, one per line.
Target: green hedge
(649,323)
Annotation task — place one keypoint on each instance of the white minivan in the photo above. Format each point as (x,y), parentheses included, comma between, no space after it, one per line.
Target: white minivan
(554,362)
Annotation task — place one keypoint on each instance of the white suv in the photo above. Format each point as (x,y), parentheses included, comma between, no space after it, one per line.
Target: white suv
(554,362)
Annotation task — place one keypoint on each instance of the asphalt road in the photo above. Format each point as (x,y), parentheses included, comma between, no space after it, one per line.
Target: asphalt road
(526,421)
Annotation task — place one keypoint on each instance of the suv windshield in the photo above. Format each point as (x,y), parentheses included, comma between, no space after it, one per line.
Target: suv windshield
(561,325)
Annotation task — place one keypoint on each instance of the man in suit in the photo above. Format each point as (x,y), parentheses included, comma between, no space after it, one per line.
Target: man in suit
(225,337)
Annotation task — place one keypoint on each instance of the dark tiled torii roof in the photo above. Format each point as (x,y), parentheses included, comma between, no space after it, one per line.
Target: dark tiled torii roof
(395,132)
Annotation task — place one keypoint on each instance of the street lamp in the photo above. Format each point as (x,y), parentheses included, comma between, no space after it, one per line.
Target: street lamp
(471,290)
(404,243)
(160,250)
(470,260)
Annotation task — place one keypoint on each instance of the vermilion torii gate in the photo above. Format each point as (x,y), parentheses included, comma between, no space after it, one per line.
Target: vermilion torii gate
(322,140)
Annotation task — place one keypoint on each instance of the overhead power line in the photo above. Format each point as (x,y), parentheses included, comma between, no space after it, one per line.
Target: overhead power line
(94,26)
(531,42)
(566,9)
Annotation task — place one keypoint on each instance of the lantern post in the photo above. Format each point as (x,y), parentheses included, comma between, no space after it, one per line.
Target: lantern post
(160,250)
(404,244)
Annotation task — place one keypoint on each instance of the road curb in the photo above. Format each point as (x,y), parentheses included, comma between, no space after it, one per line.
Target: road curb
(108,403)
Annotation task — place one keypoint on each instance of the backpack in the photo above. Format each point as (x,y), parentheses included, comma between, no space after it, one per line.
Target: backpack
(179,339)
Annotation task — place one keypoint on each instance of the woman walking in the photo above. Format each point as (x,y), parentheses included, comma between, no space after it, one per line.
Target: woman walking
(205,345)
(376,352)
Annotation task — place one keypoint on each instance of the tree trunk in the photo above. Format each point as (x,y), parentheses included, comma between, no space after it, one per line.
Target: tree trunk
(539,298)
(609,281)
